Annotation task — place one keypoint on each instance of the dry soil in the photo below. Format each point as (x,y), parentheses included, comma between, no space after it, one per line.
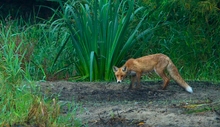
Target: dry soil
(102,104)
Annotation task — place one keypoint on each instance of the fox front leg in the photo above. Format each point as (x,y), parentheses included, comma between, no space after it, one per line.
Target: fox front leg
(138,78)
(132,84)
(133,80)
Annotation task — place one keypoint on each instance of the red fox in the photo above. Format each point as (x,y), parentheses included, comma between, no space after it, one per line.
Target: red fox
(145,64)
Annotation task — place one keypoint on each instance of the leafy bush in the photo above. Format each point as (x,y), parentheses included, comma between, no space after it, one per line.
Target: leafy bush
(100,33)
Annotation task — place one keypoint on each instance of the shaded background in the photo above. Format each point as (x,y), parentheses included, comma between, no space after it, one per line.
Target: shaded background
(24,8)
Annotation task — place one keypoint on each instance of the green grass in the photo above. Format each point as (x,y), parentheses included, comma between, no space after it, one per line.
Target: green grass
(189,36)
(202,107)
(21,101)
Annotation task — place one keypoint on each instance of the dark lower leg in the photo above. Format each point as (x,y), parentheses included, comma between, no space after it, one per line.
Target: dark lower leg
(165,83)
(131,86)
(138,81)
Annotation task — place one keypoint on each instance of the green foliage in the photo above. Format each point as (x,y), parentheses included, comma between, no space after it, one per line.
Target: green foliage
(48,61)
(21,103)
(10,78)
(190,35)
(100,33)
(84,39)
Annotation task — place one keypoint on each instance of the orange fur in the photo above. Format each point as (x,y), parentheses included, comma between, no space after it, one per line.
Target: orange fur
(145,64)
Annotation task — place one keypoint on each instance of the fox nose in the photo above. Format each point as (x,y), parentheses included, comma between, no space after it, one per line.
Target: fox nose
(119,81)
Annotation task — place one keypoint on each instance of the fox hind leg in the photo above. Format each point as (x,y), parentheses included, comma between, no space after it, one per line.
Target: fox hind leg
(160,72)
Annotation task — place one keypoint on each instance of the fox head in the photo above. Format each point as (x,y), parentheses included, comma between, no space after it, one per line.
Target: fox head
(120,73)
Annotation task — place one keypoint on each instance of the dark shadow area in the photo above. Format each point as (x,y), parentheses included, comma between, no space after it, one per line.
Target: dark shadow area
(26,9)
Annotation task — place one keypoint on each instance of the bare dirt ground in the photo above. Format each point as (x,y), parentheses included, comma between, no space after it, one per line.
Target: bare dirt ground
(111,104)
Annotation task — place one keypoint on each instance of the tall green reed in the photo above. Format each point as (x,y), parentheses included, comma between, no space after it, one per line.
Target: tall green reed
(100,34)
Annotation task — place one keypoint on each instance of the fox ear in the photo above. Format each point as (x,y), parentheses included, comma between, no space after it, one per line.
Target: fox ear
(124,69)
(115,68)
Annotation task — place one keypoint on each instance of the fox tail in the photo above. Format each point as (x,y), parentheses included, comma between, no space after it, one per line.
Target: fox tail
(174,73)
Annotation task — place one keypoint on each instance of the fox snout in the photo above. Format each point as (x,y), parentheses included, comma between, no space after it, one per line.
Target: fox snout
(118,81)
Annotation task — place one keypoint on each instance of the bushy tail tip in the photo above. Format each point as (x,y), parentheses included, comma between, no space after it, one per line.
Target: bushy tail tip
(189,89)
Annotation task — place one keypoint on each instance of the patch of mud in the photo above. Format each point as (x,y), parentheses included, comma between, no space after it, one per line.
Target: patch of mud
(111,104)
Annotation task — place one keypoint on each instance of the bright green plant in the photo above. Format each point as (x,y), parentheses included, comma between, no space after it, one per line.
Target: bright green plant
(21,103)
(11,76)
(14,100)
(100,33)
